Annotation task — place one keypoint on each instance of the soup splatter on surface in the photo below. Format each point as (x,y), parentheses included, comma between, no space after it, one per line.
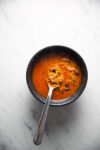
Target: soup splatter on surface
(57,70)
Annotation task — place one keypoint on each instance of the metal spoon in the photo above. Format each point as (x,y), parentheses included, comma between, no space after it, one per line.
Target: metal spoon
(39,133)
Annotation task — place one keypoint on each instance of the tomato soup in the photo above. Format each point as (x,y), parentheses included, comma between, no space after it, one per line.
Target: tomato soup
(56,70)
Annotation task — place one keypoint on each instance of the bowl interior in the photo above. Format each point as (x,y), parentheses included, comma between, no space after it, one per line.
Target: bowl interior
(57,49)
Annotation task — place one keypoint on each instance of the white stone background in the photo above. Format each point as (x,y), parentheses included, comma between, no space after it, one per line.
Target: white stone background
(27,26)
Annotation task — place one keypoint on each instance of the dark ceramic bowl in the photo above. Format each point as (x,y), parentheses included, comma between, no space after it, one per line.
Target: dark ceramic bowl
(73,55)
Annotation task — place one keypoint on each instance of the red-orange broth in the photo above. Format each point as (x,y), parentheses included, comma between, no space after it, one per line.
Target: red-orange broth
(56,69)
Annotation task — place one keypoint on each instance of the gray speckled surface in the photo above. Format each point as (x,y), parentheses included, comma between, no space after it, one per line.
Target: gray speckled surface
(26,26)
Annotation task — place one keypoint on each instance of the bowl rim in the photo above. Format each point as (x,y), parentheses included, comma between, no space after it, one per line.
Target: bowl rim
(66,102)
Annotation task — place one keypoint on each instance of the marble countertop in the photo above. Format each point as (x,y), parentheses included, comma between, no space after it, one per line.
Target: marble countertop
(27,26)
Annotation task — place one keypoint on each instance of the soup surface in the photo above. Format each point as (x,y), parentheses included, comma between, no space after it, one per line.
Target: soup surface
(56,70)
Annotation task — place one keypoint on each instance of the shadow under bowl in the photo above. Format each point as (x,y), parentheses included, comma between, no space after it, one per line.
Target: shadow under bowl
(57,49)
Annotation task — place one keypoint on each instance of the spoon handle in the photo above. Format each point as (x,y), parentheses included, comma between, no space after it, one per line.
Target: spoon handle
(39,133)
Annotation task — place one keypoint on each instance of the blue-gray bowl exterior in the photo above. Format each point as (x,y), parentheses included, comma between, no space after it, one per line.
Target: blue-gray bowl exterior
(57,49)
